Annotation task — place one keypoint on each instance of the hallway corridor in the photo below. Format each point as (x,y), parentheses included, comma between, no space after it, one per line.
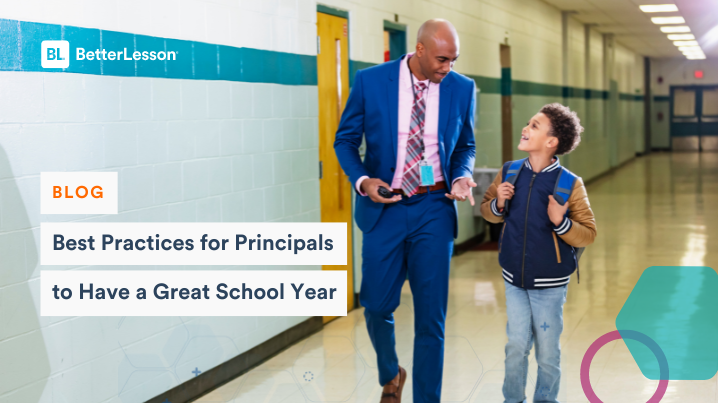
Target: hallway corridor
(655,210)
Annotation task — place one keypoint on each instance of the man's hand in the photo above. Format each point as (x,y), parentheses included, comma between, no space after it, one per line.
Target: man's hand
(504,192)
(462,189)
(556,212)
(370,186)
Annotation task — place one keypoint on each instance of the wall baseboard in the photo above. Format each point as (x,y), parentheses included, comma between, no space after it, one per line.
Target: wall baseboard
(239,365)
(469,244)
(611,171)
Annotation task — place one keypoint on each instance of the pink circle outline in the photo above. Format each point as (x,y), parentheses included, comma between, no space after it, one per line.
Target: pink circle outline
(586,366)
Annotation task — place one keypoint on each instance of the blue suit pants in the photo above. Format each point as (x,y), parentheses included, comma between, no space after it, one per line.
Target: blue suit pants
(413,236)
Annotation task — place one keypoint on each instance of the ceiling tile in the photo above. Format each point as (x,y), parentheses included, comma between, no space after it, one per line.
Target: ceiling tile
(634,29)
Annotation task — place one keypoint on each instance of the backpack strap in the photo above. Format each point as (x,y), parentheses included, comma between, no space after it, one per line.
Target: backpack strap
(511,175)
(514,170)
(561,192)
(564,186)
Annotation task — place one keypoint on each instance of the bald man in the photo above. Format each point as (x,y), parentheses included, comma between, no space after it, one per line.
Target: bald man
(417,117)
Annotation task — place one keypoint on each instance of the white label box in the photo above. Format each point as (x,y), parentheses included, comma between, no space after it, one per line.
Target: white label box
(264,243)
(193,293)
(78,193)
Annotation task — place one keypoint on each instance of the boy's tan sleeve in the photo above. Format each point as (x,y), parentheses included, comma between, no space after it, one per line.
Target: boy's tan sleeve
(488,204)
(583,223)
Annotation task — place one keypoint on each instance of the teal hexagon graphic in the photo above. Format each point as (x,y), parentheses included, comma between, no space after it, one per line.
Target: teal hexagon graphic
(677,307)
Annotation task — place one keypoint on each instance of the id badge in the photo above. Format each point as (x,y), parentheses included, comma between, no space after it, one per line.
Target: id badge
(427,173)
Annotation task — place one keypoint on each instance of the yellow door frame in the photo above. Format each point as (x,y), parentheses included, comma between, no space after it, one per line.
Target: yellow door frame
(333,88)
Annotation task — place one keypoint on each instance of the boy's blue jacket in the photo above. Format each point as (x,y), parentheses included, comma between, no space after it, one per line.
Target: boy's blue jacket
(533,252)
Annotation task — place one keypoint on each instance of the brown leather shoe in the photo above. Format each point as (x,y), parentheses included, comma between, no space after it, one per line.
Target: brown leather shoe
(392,390)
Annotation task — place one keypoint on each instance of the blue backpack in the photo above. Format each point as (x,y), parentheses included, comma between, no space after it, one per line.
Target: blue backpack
(561,190)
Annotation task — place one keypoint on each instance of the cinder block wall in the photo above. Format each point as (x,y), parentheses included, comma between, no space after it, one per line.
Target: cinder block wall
(185,149)
(190,149)
(534,32)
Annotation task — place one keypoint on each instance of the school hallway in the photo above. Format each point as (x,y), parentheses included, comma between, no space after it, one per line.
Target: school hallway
(654,210)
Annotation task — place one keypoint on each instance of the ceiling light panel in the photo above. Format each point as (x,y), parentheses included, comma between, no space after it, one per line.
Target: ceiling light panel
(681,37)
(668,20)
(685,43)
(658,8)
(677,29)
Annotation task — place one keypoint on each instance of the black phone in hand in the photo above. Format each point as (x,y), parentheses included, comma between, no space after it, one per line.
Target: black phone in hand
(384,192)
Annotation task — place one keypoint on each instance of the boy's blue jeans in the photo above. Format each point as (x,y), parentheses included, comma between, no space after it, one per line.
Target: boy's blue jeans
(533,315)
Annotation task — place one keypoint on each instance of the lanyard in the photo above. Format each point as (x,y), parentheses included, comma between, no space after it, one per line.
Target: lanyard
(413,90)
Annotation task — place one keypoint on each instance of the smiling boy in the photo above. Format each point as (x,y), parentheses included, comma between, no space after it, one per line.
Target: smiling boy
(538,246)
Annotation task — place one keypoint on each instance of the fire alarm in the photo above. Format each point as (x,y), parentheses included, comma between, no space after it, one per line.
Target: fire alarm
(698,74)
(660,80)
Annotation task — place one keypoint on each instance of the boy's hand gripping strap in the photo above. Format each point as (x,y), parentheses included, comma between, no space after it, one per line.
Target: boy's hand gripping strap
(511,175)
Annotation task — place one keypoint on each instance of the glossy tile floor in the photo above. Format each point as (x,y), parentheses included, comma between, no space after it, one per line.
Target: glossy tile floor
(656,210)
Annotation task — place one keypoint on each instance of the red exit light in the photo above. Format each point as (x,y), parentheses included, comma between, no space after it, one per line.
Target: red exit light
(698,74)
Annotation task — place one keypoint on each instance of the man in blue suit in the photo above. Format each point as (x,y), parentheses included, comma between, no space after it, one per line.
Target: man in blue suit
(417,117)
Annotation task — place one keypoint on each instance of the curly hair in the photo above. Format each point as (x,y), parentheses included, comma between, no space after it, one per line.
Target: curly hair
(565,126)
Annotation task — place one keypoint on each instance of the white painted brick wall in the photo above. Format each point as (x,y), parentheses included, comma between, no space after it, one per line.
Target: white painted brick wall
(532,26)
(135,99)
(286,26)
(185,151)
(192,151)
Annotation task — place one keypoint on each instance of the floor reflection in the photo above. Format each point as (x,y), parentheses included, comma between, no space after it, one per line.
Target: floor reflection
(654,211)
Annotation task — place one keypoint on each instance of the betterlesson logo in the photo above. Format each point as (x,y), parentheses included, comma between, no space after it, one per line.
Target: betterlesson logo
(55,54)
(102,54)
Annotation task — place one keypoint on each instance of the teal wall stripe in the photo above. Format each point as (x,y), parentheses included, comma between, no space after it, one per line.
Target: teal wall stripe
(630,97)
(356,65)
(20,51)
(596,94)
(20,43)
(573,92)
(332,11)
(531,88)
(661,98)
(488,85)
(492,85)
(506,82)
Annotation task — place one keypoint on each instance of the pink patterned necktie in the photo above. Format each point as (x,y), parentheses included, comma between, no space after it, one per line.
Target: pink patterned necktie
(412,178)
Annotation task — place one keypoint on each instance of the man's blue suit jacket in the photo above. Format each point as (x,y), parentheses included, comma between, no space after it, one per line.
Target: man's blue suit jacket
(372,111)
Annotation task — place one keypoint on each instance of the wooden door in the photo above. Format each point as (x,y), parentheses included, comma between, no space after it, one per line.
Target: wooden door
(708,130)
(507,140)
(333,83)
(685,122)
